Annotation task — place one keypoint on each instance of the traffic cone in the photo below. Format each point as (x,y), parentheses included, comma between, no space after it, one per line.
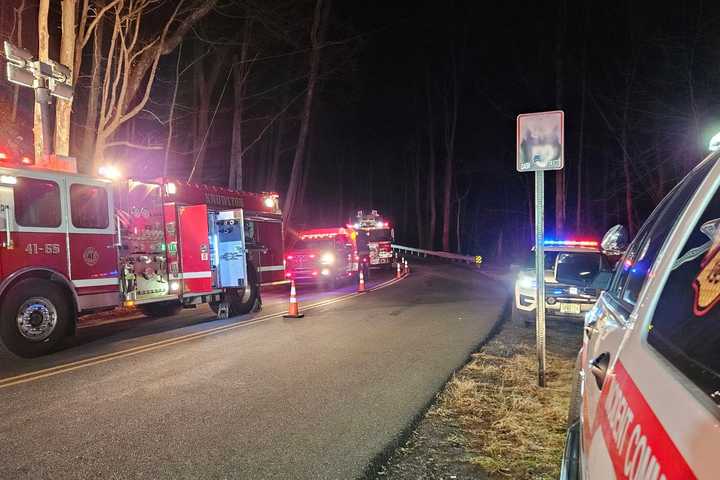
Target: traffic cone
(294,307)
(398,274)
(361,285)
(407,267)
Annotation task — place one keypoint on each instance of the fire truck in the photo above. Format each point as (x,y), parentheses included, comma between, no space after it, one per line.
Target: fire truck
(73,244)
(375,237)
(324,256)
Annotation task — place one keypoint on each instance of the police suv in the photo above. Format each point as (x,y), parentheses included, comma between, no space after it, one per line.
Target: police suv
(646,403)
(561,299)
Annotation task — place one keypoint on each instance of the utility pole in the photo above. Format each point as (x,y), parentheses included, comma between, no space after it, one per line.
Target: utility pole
(48,79)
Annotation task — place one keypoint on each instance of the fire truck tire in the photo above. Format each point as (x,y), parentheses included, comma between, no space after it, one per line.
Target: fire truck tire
(35,316)
(160,309)
(241,301)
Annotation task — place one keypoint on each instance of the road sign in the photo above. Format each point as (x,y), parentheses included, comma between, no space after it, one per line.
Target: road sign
(540,141)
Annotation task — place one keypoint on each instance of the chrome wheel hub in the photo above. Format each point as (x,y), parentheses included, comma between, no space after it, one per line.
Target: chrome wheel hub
(36,319)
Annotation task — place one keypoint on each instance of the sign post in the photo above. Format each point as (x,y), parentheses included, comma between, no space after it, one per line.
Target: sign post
(540,141)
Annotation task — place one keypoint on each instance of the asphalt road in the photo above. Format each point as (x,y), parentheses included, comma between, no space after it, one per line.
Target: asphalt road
(254,397)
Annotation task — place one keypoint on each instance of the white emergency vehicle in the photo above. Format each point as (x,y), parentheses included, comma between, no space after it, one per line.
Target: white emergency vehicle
(646,404)
(561,300)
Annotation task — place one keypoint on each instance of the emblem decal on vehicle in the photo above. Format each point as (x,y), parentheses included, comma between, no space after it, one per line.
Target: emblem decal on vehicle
(91,256)
(707,283)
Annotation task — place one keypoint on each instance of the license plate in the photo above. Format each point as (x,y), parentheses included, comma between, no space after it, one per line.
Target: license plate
(569,308)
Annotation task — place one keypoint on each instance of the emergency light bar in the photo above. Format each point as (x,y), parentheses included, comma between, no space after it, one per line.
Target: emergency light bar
(571,243)
(318,235)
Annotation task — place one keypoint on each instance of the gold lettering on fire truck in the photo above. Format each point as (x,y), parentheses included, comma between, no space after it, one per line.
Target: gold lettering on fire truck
(707,282)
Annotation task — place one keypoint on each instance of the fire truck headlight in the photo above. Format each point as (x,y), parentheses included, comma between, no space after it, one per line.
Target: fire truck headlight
(526,282)
(327,259)
(356,225)
(170,188)
(269,202)
(325,272)
(174,286)
(380,224)
(8,180)
(109,171)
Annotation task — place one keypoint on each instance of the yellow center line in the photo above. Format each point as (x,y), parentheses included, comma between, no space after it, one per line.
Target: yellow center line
(107,357)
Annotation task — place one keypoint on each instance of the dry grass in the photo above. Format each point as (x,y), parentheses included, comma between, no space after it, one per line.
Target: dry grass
(510,426)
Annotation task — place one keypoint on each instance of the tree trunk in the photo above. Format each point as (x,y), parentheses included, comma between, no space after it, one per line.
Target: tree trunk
(18,41)
(451,114)
(272,184)
(240,74)
(317,34)
(171,115)
(43,52)
(581,141)
(431,171)
(67,58)
(91,115)
(418,198)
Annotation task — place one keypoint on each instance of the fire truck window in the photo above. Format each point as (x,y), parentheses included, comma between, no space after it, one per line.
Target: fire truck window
(37,203)
(88,206)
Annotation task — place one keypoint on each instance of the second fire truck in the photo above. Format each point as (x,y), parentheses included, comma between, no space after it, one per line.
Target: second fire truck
(74,244)
(375,236)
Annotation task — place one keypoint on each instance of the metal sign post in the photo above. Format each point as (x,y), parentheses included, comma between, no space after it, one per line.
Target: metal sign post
(540,273)
(540,140)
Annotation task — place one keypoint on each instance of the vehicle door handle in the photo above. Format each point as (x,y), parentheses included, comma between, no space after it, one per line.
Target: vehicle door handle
(599,367)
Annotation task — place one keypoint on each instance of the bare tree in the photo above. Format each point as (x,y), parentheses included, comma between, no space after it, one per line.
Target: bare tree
(241,71)
(67,57)
(43,54)
(18,12)
(317,35)
(431,168)
(132,60)
(450,103)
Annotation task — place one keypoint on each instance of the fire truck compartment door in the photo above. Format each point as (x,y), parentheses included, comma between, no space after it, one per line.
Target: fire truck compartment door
(194,249)
(230,249)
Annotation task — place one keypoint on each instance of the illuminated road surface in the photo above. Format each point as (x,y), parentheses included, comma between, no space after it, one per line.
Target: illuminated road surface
(253,397)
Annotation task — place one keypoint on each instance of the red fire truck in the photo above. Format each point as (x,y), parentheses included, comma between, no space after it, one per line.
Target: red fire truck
(324,256)
(375,236)
(74,244)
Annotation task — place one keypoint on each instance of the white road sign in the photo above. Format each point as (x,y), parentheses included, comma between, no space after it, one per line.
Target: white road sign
(540,141)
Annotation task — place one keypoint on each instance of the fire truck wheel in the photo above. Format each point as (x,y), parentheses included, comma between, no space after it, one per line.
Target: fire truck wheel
(160,309)
(34,317)
(241,301)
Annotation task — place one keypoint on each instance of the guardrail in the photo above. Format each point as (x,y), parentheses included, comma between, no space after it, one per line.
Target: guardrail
(476,260)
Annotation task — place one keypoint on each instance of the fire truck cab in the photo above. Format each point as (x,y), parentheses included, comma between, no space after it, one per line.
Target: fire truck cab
(73,244)
(375,237)
(324,256)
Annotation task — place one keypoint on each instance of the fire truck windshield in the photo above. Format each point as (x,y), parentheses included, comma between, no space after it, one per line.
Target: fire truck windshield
(379,235)
(313,244)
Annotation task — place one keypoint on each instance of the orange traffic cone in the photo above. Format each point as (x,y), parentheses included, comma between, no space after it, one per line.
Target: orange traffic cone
(398,274)
(407,267)
(294,308)
(361,285)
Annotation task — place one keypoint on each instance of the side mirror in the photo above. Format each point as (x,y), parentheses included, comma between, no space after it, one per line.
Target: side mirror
(615,241)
